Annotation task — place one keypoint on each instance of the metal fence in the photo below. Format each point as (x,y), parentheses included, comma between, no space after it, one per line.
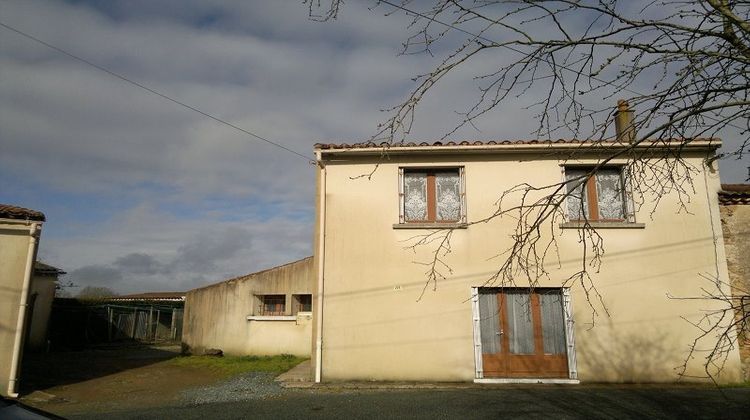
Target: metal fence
(76,324)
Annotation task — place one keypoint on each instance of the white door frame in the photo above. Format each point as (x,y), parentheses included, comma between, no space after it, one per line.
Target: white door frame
(569,339)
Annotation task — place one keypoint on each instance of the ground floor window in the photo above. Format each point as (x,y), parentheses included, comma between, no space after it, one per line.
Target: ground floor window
(523,333)
(302,303)
(272,304)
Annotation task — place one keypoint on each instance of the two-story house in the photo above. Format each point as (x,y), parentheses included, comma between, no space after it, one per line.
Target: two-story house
(374,320)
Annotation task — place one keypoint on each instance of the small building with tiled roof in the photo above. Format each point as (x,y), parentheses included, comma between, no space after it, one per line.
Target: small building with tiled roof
(734,206)
(20,229)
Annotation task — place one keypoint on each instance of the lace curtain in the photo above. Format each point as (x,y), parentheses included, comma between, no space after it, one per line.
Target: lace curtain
(578,206)
(609,191)
(415,196)
(448,196)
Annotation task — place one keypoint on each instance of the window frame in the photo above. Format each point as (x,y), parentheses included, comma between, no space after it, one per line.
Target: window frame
(431,195)
(592,197)
(297,304)
(280,300)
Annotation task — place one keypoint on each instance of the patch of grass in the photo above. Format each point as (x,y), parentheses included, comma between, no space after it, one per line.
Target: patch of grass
(233,365)
(745,384)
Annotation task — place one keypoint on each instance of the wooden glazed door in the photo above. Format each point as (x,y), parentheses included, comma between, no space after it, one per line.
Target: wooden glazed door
(522,333)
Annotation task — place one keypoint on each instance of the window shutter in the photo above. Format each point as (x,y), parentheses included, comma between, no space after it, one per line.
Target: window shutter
(569,333)
(629,203)
(462,186)
(401,195)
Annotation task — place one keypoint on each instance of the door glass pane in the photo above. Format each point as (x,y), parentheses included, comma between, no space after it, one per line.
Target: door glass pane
(609,190)
(520,327)
(577,201)
(415,196)
(447,196)
(489,323)
(553,325)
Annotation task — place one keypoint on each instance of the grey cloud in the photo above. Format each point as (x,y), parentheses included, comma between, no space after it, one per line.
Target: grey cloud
(95,275)
(203,254)
(138,263)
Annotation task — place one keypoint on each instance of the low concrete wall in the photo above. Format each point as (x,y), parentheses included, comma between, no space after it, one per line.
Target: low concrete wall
(216,316)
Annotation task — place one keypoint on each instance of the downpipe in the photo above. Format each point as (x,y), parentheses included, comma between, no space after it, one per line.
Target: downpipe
(22,310)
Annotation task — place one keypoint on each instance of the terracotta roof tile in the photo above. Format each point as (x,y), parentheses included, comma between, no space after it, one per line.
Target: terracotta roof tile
(451,143)
(734,194)
(8,211)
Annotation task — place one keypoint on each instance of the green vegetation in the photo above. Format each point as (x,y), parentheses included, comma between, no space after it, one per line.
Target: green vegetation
(233,365)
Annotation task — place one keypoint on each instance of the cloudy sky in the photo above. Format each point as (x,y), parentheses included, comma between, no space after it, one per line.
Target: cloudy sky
(143,195)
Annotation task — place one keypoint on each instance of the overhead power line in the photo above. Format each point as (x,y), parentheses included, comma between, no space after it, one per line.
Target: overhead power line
(153,91)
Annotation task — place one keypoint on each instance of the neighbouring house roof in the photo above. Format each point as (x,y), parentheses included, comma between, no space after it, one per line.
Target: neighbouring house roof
(8,211)
(732,194)
(246,276)
(42,269)
(511,145)
(151,296)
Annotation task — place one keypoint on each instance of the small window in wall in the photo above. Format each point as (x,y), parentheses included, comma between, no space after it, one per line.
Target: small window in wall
(272,304)
(432,195)
(302,303)
(602,197)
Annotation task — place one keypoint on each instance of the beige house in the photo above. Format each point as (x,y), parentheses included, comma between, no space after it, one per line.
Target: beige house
(376,318)
(42,294)
(19,238)
(263,313)
(734,202)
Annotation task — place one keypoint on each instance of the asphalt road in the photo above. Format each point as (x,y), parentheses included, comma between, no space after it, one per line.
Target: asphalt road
(557,402)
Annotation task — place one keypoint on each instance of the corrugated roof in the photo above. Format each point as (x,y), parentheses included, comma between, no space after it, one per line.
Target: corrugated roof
(517,142)
(734,194)
(8,211)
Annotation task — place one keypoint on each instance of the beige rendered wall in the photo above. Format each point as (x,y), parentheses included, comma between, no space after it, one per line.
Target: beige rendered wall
(216,315)
(14,248)
(374,327)
(43,287)
(735,223)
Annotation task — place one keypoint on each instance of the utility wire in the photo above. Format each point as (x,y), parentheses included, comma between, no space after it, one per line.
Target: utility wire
(497,44)
(155,92)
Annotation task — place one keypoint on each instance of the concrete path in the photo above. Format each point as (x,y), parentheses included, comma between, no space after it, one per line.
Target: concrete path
(299,376)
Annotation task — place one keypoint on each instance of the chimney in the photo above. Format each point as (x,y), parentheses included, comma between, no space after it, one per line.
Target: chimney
(624,122)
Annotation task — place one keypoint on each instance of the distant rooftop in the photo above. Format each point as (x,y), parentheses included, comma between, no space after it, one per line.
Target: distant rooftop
(8,211)
(43,269)
(731,194)
(153,296)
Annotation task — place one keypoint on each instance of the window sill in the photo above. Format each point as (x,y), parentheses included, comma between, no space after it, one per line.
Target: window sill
(272,318)
(603,225)
(430,226)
